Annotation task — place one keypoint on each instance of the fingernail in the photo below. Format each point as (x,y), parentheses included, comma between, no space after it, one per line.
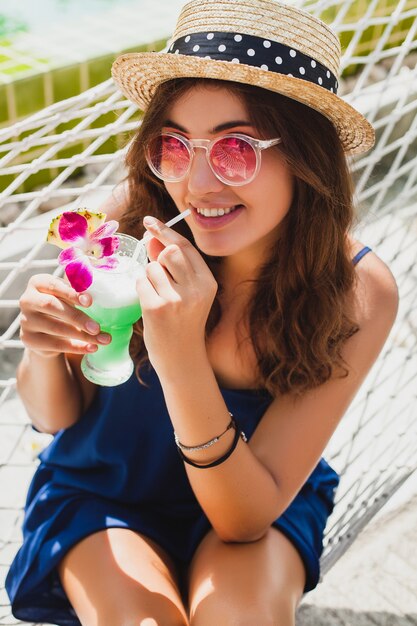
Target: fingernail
(148,220)
(92,327)
(84,300)
(103,338)
(91,347)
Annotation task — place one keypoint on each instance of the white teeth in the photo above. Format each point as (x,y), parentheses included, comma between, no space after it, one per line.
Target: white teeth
(216,212)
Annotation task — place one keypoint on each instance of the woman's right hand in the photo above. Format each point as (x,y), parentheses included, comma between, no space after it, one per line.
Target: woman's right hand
(50,323)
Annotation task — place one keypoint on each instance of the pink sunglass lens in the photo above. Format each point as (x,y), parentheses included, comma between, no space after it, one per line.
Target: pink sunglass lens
(234,159)
(169,157)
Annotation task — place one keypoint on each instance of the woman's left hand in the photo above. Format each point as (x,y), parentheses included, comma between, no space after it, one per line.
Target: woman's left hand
(176,295)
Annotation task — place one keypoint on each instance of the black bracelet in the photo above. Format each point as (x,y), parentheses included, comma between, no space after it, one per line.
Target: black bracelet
(238,435)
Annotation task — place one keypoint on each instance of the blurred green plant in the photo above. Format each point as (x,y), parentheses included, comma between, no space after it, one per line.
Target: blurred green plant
(9,26)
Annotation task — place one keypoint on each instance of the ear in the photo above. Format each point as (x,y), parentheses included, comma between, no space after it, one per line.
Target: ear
(154,248)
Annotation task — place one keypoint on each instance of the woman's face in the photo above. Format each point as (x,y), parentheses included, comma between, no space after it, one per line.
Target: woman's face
(206,113)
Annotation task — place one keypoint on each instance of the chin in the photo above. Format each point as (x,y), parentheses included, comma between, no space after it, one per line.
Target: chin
(216,243)
(214,250)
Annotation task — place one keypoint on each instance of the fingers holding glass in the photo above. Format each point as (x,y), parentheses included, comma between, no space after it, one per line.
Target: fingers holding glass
(50,323)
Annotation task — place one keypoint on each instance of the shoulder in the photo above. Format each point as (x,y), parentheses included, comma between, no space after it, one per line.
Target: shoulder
(375,296)
(313,417)
(373,307)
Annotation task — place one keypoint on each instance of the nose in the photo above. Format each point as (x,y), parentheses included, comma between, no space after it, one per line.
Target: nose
(201,179)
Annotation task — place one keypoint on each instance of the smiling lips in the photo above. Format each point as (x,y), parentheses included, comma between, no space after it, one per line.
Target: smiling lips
(218,216)
(216,212)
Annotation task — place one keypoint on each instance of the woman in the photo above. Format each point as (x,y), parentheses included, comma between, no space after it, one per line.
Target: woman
(195,492)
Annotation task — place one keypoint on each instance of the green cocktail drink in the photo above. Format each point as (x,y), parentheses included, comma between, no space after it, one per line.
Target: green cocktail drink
(116,308)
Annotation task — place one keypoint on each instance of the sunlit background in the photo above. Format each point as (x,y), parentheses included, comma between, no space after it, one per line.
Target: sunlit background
(63,135)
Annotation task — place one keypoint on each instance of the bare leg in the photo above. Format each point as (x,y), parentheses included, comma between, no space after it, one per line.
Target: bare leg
(245,583)
(117,577)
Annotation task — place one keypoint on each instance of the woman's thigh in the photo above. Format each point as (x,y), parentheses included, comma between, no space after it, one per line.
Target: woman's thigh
(245,583)
(117,577)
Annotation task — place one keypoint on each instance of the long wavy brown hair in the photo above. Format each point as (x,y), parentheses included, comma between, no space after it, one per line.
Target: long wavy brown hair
(297,317)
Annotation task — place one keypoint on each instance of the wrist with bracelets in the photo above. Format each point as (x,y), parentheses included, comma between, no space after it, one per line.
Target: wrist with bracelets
(238,435)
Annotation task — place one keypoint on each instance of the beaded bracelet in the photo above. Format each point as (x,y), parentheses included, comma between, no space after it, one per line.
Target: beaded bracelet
(207,444)
(238,434)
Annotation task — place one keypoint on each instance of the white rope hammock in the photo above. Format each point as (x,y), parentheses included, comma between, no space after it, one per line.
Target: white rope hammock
(78,146)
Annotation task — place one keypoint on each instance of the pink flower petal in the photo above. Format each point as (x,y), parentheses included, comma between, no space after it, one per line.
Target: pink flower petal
(107,263)
(68,255)
(105,230)
(109,245)
(105,247)
(79,274)
(72,227)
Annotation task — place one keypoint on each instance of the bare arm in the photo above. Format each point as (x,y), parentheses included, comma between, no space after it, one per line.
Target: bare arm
(55,335)
(49,390)
(255,485)
(242,496)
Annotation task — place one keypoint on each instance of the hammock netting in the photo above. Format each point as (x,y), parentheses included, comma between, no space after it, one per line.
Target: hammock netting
(71,154)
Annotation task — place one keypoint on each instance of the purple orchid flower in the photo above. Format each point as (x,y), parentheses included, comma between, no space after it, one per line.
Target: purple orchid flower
(87,250)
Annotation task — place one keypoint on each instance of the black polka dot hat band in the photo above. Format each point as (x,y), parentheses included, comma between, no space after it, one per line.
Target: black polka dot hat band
(264,43)
(257,52)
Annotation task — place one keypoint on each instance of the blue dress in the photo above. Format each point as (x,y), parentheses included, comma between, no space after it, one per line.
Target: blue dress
(118,466)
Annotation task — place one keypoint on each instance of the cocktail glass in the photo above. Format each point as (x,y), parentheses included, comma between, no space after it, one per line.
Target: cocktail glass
(116,308)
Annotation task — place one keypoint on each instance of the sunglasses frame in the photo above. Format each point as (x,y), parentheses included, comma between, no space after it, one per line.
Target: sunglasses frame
(207,144)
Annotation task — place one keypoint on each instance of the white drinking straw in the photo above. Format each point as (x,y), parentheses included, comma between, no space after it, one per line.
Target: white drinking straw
(170,223)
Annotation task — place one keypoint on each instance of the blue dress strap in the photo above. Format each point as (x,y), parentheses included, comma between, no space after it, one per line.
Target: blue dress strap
(360,254)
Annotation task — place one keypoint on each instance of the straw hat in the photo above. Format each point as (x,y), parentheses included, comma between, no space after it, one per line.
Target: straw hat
(259,42)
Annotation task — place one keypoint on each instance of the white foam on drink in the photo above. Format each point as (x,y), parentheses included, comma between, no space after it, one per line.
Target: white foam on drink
(116,288)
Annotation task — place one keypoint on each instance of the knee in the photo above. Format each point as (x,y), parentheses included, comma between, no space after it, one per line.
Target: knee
(140,620)
(244,616)
(146,617)
(150,621)
(255,615)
